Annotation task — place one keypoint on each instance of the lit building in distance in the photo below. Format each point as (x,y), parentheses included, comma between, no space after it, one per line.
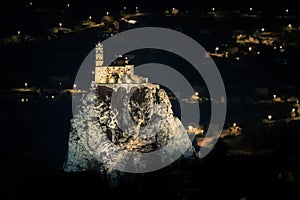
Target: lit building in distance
(118,72)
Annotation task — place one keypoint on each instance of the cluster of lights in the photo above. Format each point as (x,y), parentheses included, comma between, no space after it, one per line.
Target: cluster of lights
(52,97)
(23,100)
(198,130)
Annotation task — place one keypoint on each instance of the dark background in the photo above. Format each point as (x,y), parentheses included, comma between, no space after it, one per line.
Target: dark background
(34,136)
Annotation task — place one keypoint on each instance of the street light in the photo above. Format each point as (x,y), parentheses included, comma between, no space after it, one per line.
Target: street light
(60,24)
(213,9)
(90,18)
(19,32)
(250,9)
(262,29)
(217,49)
(269,117)
(74,87)
(68,5)
(107,13)
(293,110)
(196,93)
(287,10)
(26,84)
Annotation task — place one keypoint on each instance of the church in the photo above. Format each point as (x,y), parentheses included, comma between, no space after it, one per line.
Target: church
(118,72)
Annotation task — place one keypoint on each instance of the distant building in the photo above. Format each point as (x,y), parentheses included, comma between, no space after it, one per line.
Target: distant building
(120,71)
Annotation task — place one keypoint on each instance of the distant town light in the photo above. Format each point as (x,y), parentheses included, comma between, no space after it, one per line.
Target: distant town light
(190,128)
(217,49)
(237,58)
(124,8)
(250,48)
(250,9)
(258,53)
(275,47)
(274,96)
(280,47)
(213,9)
(196,93)
(60,24)
(286,10)
(26,84)
(290,25)
(234,124)
(262,29)
(52,97)
(269,117)
(22,100)
(30,3)
(68,5)
(131,21)
(19,32)
(136,8)
(107,13)
(293,110)
(90,17)
(74,86)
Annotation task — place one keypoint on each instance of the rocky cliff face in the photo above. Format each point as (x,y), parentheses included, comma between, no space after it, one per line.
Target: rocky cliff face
(114,128)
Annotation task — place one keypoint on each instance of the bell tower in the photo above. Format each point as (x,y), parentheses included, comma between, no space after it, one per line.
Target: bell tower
(99,54)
